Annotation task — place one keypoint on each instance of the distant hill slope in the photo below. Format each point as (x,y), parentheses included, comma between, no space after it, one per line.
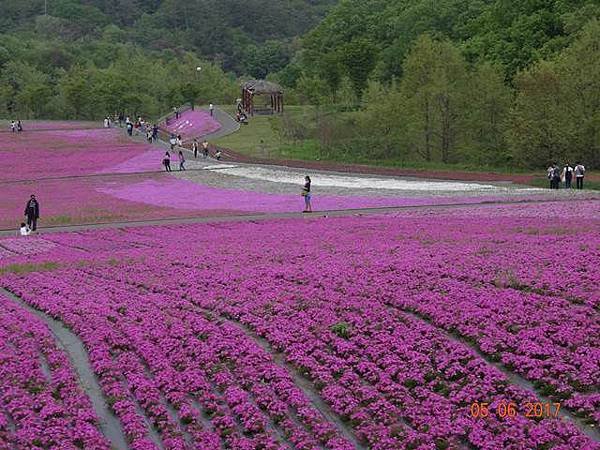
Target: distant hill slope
(228,30)
(513,33)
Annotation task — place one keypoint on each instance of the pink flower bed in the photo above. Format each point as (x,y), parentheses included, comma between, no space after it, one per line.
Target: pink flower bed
(42,125)
(187,195)
(79,200)
(40,407)
(386,316)
(192,124)
(73,152)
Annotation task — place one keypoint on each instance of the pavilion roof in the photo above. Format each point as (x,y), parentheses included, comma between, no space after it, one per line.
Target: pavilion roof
(262,87)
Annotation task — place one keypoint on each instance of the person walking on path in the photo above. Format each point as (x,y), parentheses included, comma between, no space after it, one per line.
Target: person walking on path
(211,108)
(307,195)
(205,148)
(172,141)
(19,126)
(176,111)
(567,175)
(167,161)
(32,212)
(195,148)
(579,174)
(181,161)
(13,126)
(179,141)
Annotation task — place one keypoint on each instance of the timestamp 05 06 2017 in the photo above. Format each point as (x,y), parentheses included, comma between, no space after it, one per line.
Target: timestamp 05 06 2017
(505,409)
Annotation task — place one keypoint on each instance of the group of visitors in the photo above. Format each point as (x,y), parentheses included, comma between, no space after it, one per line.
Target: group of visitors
(175,141)
(240,114)
(140,126)
(196,148)
(16,126)
(167,161)
(556,175)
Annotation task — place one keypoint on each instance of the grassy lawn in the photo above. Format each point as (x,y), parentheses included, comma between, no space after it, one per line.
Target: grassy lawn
(591,182)
(260,138)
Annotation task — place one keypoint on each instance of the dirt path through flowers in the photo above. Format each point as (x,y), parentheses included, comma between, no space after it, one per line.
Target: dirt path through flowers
(242,217)
(300,381)
(72,345)
(512,377)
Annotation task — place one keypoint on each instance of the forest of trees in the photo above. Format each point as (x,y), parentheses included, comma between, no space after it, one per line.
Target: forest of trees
(486,83)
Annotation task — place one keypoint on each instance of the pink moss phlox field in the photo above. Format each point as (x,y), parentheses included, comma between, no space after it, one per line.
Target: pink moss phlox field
(192,124)
(47,125)
(384,315)
(73,152)
(40,407)
(183,194)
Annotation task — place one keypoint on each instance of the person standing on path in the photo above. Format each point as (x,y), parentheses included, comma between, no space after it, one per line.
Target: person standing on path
(211,108)
(176,111)
(550,175)
(567,175)
(556,176)
(32,212)
(195,148)
(172,141)
(579,174)
(205,148)
(307,195)
(13,126)
(167,161)
(19,126)
(181,161)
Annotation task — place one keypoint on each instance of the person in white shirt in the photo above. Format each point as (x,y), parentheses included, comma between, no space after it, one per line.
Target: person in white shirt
(579,174)
(550,175)
(24,230)
(567,176)
(211,108)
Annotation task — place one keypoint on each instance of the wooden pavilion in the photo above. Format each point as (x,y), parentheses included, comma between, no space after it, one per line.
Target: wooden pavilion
(270,92)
